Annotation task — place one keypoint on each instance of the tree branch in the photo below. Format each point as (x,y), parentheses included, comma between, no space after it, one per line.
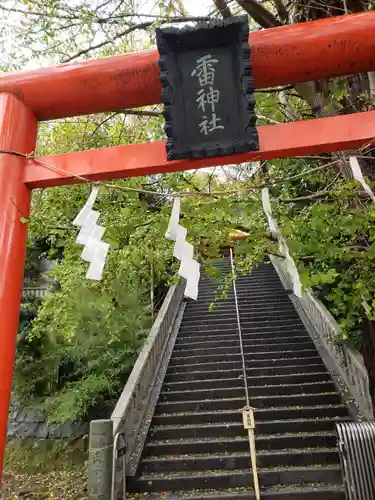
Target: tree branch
(106,42)
(223,8)
(314,196)
(275,89)
(362,195)
(270,120)
(287,108)
(129,30)
(104,4)
(281,10)
(259,13)
(167,19)
(141,112)
(38,14)
(188,181)
(112,115)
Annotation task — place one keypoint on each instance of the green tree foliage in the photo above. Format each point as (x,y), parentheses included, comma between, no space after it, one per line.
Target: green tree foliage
(332,240)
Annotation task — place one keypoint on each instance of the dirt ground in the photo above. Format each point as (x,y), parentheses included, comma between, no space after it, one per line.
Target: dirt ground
(41,470)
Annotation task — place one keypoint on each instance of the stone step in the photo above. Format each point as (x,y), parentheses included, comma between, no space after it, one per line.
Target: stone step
(234,341)
(237,364)
(274,305)
(257,293)
(213,318)
(328,411)
(239,479)
(236,428)
(317,491)
(247,337)
(237,402)
(171,385)
(251,348)
(245,313)
(276,328)
(242,288)
(303,457)
(250,356)
(254,300)
(236,371)
(267,320)
(240,444)
(262,278)
(236,390)
(244,285)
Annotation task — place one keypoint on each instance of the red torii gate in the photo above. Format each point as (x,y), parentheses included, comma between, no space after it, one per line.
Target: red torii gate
(291,54)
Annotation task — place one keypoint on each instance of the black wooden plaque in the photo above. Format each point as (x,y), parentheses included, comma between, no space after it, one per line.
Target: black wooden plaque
(207,89)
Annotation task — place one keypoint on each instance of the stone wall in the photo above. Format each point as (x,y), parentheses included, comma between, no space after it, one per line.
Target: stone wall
(25,423)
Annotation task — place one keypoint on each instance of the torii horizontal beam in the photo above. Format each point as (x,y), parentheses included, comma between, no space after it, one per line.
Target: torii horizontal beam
(276,141)
(329,47)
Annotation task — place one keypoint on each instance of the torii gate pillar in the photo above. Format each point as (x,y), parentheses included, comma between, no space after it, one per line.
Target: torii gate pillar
(18,127)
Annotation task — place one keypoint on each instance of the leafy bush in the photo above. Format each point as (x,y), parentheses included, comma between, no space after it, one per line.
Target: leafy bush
(81,347)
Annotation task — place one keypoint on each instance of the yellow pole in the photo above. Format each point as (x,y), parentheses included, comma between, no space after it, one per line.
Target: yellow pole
(249,425)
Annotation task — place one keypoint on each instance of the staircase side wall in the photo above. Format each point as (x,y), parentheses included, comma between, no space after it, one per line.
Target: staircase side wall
(137,401)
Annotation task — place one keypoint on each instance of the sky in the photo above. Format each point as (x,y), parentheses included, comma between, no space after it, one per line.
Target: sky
(194,8)
(198,7)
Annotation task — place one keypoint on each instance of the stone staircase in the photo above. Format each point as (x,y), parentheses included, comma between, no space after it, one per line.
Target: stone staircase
(197,447)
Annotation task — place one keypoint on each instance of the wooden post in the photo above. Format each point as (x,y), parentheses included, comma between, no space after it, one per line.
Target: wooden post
(18,128)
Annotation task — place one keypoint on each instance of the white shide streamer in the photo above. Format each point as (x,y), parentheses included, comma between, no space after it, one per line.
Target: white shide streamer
(358,175)
(283,247)
(268,211)
(171,233)
(183,251)
(95,250)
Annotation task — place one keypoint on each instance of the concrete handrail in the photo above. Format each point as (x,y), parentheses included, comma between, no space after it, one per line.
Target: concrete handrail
(130,408)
